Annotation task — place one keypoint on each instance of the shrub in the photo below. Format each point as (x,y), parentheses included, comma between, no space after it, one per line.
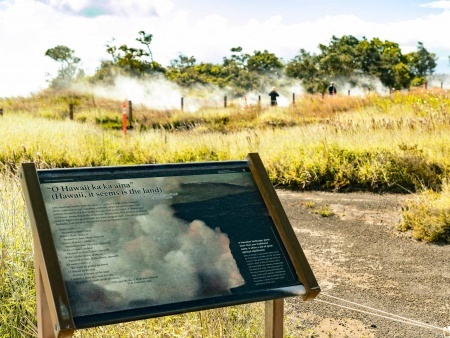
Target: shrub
(428,216)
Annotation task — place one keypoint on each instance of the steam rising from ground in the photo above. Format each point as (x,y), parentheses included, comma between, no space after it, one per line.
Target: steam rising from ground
(439,81)
(161,94)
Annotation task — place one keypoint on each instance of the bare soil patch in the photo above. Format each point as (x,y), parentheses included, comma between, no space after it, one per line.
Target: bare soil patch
(359,257)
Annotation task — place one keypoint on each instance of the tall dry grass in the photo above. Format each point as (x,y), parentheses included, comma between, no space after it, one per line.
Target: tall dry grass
(396,143)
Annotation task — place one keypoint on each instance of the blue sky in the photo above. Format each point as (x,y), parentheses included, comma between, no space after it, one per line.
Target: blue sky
(205,29)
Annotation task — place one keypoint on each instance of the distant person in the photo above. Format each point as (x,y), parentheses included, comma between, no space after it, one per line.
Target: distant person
(332,89)
(273,97)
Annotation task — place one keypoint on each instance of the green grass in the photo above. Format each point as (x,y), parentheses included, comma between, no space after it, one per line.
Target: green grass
(17,292)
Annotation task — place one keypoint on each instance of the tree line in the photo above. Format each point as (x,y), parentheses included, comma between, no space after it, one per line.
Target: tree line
(358,61)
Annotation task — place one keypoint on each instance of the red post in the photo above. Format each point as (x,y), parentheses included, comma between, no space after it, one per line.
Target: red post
(124,118)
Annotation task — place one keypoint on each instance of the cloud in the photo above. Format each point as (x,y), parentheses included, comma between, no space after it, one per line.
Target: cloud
(442,4)
(128,8)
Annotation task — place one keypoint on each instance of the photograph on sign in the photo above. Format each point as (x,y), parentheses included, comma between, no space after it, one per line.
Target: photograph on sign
(146,237)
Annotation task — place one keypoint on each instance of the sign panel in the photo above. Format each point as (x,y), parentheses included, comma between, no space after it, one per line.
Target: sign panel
(144,241)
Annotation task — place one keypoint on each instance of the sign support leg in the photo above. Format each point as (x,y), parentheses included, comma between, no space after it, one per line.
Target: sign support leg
(44,320)
(274,315)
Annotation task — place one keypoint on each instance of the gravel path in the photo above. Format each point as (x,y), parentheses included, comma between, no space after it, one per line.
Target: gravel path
(358,256)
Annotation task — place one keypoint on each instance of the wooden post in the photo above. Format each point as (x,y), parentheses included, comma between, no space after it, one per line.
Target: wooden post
(124,117)
(44,320)
(259,99)
(349,92)
(1,111)
(274,313)
(71,111)
(225,101)
(293,98)
(54,316)
(182,104)
(130,112)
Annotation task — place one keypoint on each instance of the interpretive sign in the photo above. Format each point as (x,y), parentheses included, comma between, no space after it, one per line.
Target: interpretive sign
(115,244)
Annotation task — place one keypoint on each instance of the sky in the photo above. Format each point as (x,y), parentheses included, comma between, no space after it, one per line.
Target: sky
(205,29)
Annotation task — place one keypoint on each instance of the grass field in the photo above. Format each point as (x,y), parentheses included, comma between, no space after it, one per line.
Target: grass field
(399,143)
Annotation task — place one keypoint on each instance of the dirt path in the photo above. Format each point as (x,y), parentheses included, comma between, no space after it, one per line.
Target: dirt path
(357,255)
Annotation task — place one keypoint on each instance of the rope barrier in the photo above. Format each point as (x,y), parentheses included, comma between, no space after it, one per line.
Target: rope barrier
(383,314)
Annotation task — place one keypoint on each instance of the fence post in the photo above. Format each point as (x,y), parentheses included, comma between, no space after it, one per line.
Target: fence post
(349,92)
(130,112)
(259,100)
(1,111)
(124,117)
(71,111)
(225,101)
(182,104)
(293,98)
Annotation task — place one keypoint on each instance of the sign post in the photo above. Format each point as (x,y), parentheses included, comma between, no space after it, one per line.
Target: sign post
(116,244)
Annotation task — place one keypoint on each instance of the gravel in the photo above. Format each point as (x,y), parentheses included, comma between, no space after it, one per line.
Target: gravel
(362,262)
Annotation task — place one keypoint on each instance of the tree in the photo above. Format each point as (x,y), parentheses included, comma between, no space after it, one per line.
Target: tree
(389,74)
(369,54)
(68,70)
(422,63)
(264,62)
(146,39)
(340,57)
(247,72)
(305,66)
(186,72)
(129,61)
(237,58)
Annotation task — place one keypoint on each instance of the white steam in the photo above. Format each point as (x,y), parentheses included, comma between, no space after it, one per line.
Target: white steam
(361,86)
(439,81)
(160,93)
(187,260)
